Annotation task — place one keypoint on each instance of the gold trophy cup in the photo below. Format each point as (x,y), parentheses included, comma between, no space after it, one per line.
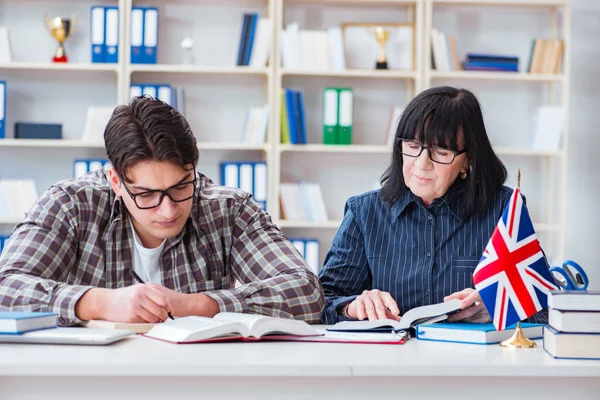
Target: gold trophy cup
(381,35)
(60,29)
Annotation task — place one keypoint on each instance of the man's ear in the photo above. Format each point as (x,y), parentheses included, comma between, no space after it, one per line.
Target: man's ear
(115,182)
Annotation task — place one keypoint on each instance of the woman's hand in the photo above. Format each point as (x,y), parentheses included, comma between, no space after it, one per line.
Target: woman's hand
(473,309)
(374,304)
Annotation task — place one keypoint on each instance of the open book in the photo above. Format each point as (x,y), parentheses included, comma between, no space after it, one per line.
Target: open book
(419,315)
(228,326)
(137,327)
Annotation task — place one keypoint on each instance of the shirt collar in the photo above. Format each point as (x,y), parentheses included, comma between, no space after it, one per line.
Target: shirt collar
(453,199)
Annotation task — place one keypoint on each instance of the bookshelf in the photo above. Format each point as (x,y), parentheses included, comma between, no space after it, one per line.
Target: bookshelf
(218,93)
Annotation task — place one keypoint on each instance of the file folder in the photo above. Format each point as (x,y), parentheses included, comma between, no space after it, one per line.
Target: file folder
(112,34)
(330,116)
(260,184)
(346,104)
(137,36)
(97,34)
(135,91)
(165,93)
(246,178)
(150,35)
(2,109)
(149,90)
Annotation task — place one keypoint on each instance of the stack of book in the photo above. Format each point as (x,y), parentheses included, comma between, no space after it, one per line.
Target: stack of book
(573,329)
(490,62)
(546,56)
(302,202)
(255,41)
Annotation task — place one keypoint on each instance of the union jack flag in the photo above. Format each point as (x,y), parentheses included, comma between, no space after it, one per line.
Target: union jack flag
(512,276)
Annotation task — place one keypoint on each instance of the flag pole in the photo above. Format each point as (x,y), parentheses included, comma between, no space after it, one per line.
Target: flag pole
(518,339)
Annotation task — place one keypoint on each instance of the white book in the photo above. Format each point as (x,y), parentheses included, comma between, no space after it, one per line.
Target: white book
(5,50)
(438,51)
(307,50)
(261,49)
(321,50)
(571,345)
(548,128)
(246,129)
(319,202)
(574,321)
(574,300)
(419,315)
(228,326)
(262,126)
(337,59)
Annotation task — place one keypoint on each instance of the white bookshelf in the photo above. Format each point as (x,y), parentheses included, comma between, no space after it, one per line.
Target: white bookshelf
(218,93)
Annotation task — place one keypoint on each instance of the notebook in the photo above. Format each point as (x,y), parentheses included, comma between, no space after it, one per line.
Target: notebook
(228,326)
(468,332)
(69,336)
(424,314)
(15,322)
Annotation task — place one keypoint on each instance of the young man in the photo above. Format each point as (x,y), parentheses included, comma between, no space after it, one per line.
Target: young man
(79,248)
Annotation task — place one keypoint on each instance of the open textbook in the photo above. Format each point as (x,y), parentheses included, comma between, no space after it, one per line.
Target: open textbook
(228,326)
(419,315)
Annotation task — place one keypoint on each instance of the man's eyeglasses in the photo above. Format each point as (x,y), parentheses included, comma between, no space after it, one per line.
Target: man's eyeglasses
(437,154)
(153,198)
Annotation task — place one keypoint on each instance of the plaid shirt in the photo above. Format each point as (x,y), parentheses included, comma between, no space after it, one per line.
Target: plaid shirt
(77,237)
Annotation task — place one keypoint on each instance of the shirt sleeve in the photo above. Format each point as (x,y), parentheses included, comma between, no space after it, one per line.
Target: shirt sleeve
(37,260)
(346,273)
(275,278)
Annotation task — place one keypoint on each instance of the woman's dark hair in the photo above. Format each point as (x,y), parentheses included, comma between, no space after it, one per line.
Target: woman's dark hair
(148,129)
(439,116)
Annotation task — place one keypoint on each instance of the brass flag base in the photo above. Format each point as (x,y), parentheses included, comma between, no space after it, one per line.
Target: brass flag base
(518,340)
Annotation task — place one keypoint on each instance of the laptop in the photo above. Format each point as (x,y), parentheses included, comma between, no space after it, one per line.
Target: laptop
(88,336)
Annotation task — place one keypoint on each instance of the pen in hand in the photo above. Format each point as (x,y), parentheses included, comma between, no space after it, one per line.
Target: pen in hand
(137,278)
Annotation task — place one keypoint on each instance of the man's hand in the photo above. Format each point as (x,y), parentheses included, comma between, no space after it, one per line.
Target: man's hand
(473,309)
(188,304)
(136,303)
(374,304)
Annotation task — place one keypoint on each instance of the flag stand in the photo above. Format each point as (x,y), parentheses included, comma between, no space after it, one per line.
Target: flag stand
(518,339)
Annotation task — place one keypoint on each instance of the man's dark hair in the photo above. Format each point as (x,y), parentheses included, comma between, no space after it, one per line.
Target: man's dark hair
(439,116)
(148,129)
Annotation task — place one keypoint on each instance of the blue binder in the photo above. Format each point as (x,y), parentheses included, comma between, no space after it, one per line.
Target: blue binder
(137,36)
(150,35)
(98,34)
(2,109)
(234,179)
(111,36)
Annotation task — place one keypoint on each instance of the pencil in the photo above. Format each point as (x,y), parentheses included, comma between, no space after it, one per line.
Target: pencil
(137,278)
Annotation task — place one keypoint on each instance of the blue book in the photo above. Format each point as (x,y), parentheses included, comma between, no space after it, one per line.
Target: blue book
(15,322)
(469,332)
(250,38)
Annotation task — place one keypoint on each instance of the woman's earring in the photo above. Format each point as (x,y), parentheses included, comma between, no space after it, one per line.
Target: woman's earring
(463,174)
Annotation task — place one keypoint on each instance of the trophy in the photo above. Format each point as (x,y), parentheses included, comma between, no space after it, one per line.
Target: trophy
(60,29)
(187,45)
(381,35)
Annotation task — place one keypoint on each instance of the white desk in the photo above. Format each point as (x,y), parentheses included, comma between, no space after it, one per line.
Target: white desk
(142,368)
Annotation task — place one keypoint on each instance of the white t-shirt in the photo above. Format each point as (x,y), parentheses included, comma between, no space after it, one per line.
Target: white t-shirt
(146,262)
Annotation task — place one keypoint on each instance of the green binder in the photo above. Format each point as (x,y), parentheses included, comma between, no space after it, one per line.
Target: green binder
(330,116)
(346,115)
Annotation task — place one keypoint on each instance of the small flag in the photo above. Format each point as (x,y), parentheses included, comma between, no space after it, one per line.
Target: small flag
(512,276)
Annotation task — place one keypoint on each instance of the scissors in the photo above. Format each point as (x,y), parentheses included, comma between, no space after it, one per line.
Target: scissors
(570,276)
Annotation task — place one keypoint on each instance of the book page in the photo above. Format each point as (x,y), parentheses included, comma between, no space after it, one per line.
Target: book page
(140,327)
(260,325)
(190,329)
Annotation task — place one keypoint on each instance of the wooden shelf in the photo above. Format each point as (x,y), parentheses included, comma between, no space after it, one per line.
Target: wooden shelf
(332,148)
(355,2)
(333,224)
(512,3)
(497,76)
(197,69)
(232,146)
(49,143)
(507,151)
(353,73)
(10,221)
(32,66)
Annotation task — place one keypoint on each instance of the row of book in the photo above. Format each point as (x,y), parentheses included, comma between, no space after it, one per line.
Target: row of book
(172,95)
(104,34)
(293,123)
(302,202)
(338,115)
(573,329)
(256,125)
(255,41)
(545,56)
(312,49)
(16,198)
(251,177)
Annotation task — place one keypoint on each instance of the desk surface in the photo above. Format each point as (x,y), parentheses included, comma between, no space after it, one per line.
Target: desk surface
(140,356)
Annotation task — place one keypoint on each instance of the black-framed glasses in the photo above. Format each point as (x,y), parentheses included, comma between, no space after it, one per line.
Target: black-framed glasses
(153,198)
(437,154)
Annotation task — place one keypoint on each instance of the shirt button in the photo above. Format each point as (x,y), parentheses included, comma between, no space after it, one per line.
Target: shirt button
(428,254)
(429,217)
(427,292)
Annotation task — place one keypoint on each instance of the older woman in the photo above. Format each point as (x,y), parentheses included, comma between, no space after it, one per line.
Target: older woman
(417,240)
